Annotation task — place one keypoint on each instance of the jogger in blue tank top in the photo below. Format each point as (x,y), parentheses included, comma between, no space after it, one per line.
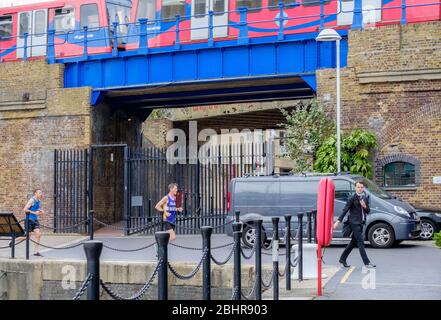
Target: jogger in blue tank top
(168,206)
(33,208)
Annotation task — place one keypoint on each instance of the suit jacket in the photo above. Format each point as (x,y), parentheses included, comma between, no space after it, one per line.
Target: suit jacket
(354,207)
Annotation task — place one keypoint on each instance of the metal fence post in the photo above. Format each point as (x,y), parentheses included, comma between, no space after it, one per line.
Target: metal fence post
(258,253)
(275,258)
(300,241)
(90,224)
(314,220)
(309,224)
(51,46)
(280,35)
(115,39)
(25,46)
(143,39)
(27,235)
(206,268)
(236,216)
(93,252)
(288,251)
(85,53)
(357,22)
(237,233)
(243,27)
(210,29)
(403,12)
(127,191)
(162,238)
(177,32)
(13,246)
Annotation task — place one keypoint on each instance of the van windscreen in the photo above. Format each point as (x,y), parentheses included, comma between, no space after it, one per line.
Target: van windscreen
(375,189)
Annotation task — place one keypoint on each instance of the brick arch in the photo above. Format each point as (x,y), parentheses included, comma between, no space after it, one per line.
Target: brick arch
(427,111)
(397,157)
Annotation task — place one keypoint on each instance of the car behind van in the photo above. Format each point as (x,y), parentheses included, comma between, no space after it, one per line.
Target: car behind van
(389,222)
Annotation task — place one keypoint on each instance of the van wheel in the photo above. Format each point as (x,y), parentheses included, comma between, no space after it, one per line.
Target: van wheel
(381,235)
(249,236)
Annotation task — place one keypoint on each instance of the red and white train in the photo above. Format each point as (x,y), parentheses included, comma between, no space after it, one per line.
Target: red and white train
(68,18)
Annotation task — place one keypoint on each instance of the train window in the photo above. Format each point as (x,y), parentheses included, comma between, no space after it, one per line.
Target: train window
(24,23)
(146,9)
(64,19)
(308,3)
(171,8)
(89,16)
(218,6)
(5,27)
(250,4)
(200,6)
(40,22)
(275,3)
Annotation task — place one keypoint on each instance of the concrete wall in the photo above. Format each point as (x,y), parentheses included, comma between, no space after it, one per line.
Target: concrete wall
(392,86)
(51,280)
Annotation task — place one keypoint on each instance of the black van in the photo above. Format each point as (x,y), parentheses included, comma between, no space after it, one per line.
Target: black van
(263,197)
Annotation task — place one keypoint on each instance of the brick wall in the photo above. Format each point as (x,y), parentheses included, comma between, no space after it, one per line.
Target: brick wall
(391,86)
(37,116)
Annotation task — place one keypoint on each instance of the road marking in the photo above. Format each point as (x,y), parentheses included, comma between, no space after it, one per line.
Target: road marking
(347,275)
(400,284)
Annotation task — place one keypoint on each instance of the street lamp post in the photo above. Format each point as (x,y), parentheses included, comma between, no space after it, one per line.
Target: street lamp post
(332,35)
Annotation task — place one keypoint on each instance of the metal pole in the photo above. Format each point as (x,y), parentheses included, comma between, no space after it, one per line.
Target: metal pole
(126,189)
(27,235)
(237,233)
(90,224)
(90,189)
(338,107)
(93,252)
(258,253)
(275,258)
(300,240)
(206,268)
(13,246)
(162,238)
(309,223)
(288,251)
(236,215)
(314,219)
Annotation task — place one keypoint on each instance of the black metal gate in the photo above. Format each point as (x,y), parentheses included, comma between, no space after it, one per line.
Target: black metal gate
(144,177)
(203,184)
(70,191)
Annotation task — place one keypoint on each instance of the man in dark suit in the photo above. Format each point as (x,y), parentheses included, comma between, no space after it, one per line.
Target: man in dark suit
(358,207)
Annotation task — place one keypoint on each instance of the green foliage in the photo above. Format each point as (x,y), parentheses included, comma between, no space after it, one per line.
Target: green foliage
(356,149)
(306,127)
(437,238)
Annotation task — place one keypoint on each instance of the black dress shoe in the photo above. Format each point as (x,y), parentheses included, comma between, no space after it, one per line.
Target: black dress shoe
(344,264)
(370,265)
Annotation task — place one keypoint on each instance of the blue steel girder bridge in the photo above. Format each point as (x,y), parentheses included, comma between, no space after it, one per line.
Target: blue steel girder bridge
(244,68)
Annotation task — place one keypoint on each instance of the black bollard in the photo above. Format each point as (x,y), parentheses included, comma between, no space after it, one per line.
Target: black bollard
(288,251)
(27,235)
(162,238)
(93,252)
(300,241)
(314,226)
(275,258)
(206,267)
(237,233)
(309,224)
(236,216)
(13,246)
(258,253)
(91,224)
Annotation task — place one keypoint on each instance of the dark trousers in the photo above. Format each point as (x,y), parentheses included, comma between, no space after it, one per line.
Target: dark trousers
(356,240)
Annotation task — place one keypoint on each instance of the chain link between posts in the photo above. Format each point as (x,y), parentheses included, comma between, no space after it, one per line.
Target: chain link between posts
(83,287)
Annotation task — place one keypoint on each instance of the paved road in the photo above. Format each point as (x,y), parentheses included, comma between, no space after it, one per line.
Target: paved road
(410,271)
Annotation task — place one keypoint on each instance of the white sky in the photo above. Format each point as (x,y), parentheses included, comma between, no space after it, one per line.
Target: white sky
(10,3)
